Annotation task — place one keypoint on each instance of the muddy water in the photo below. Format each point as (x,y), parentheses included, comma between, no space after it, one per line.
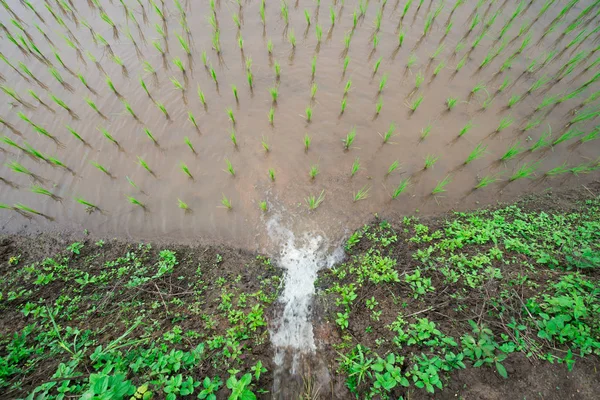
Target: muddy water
(244,224)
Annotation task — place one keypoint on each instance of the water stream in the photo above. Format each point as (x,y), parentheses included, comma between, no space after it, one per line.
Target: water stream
(301,258)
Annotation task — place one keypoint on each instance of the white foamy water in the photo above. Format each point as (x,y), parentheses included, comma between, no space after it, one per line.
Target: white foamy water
(301,258)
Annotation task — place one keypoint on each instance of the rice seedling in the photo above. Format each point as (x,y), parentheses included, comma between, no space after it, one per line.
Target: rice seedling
(318,33)
(512,151)
(561,169)
(201,97)
(595,134)
(437,52)
(308,114)
(313,67)
(401,188)
(343,105)
(163,109)
(265,145)
(101,168)
(186,170)
(90,206)
(229,167)
(478,152)
(231,115)
(393,166)
(183,205)
(250,79)
(192,119)
(346,62)
(307,17)
(439,68)
(34,153)
(568,135)
(347,87)
(504,123)
(465,129)
(347,38)
(315,201)
(430,161)
(532,124)
(179,64)
(10,142)
(23,208)
(375,42)
(485,181)
(129,109)
(461,63)
(271,115)
(292,38)
(213,75)
(355,167)
(451,103)
(513,100)
(314,171)
(405,9)
(277,68)
(135,201)
(419,79)
(415,103)
(401,36)
(349,139)
(75,134)
(585,115)
(18,168)
(40,190)
(111,86)
(150,136)
(376,66)
(538,84)
(233,138)
(272,174)
(145,165)
(263,206)
(378,106)
(389,133)
(441,185)
(425,131)
(543,141)
(226,202)
(176,84)
(525,171)
(584,168)
(274,91)
(307,141)
(362,193)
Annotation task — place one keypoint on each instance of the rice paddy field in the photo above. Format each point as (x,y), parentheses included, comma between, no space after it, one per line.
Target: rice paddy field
(195,195)
(177,119)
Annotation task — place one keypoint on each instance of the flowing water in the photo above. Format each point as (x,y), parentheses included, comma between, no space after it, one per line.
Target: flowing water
(301,258)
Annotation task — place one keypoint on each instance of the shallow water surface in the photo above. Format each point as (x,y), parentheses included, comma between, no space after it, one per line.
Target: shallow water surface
(244,225)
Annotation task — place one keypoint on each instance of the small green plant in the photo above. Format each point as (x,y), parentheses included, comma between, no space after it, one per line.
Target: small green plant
(485,181)
(349,139)
(315,201)
(272,174)
(401,188)
(451,103)
(525,171)
(314,171)
(441,185)
(226,202)
(512,151)
(355,167)
(504,123)
(263,206)
(230,167)
(362,193)
(186,170)
(183,205)
(430,161)
(307,141)
(308,114)
(477,152)
(389,133)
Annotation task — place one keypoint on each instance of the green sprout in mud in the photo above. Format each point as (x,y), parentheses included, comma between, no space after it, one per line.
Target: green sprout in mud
(313,201)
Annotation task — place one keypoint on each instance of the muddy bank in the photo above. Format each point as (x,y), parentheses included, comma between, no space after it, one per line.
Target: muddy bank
(466,303)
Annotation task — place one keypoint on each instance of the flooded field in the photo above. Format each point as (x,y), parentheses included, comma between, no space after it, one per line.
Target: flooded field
(377,106)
